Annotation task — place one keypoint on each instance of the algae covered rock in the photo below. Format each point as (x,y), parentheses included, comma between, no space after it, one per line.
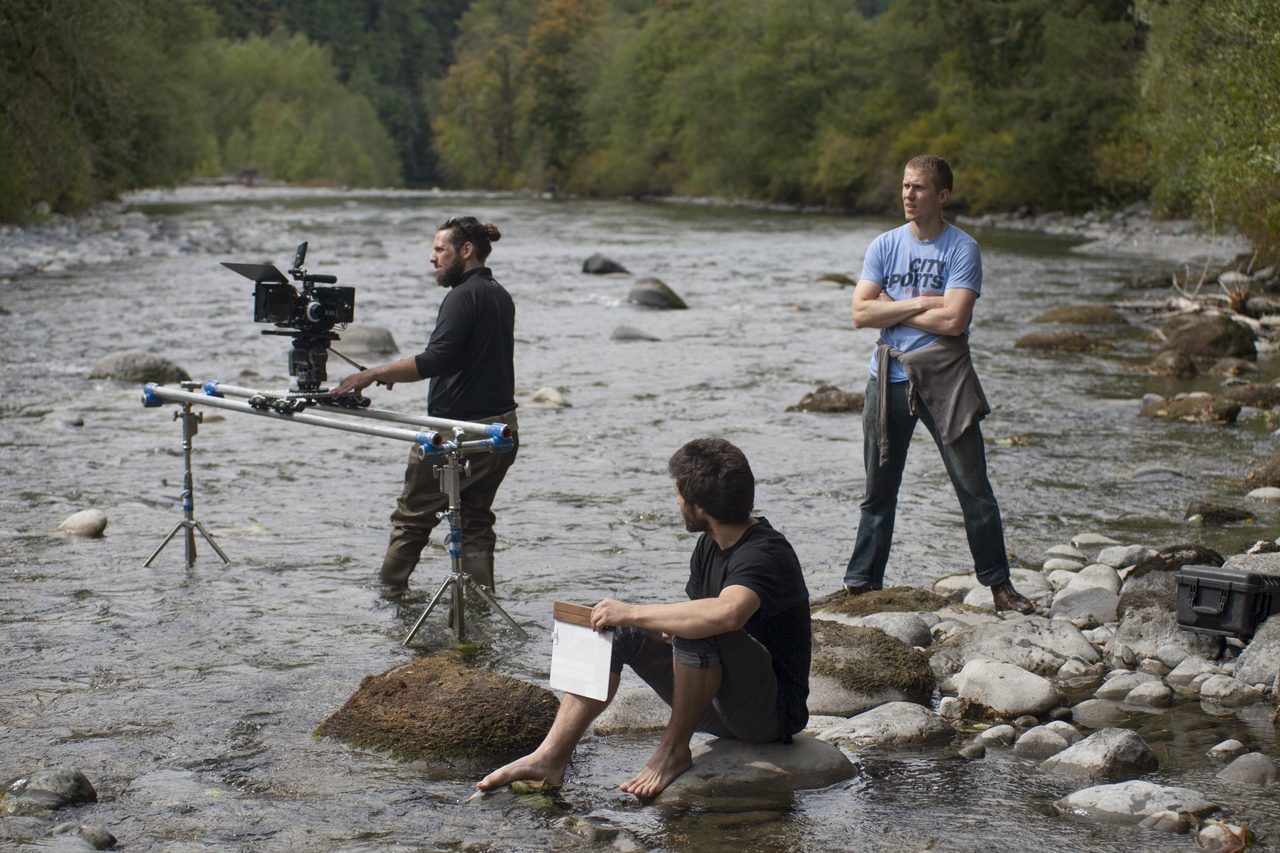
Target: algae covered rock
(435,708)
(855,669)
(1194,409)
(829,398)
(896,599)
(1084,315)
(1060,342)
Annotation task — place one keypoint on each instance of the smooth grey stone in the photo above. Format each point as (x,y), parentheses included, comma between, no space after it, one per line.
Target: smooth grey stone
(598,264)
(907,627)
(973,751)
(894,724)
(630,333)
(1253,768)
(1085,608)
(1054,564)
(1093,540)
(1166,821)
(1098,713)
(1096,575)
(52,788)
(1260,660)
(548,398)
(996,736)
(1034,585)
(97,837)
(1268,564)
(1068,732)
(1130,802)
(1111,752)
(1005,689)
(1040,743)
(653,293)
(1026,721)
(1068,552)
(1146,628)
(372,248)
(1171,655)
(1228,749)
(1059,578)
(950,708)
(1120,556)
(1266,493)
(1213,836)
(138,366)
(1153,667)
(1225,690)
(633,711)
(956,586)
(1115,689)
(1187,670)
(1152,694)
(366,340)
(729,768)
(1036,644)
(88,523)
(1074,668)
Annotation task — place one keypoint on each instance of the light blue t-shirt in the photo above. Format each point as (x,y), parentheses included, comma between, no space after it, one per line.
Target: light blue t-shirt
(906,267)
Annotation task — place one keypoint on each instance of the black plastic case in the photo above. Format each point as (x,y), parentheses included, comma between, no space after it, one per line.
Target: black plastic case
(1226,602)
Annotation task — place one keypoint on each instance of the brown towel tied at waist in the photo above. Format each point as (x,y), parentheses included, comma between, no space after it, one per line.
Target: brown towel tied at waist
(939,376)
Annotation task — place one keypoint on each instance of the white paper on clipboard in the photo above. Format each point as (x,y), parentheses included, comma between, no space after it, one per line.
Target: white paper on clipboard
(580,660)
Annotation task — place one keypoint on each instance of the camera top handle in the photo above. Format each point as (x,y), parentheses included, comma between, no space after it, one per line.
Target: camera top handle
(300,274)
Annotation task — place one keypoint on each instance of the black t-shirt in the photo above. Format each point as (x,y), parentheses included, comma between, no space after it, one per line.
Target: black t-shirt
(470,358)
(764,562)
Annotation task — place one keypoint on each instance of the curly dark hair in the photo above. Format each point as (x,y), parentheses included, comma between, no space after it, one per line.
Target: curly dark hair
(468,229)
(713,474)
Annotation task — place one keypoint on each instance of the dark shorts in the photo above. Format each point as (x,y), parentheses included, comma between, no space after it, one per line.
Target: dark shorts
(745,706)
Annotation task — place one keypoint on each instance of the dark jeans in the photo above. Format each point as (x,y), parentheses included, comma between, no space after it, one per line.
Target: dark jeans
(745,706)
(966,463)
(415,514)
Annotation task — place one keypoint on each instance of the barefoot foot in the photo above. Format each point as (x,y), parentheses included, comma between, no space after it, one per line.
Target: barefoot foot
(663,769)
(532,767)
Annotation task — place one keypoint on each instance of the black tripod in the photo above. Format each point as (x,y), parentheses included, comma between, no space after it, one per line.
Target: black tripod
(188,525)
(451,472)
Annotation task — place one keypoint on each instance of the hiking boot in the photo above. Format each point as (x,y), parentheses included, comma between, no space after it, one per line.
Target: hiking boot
(1008,598)
(841,593)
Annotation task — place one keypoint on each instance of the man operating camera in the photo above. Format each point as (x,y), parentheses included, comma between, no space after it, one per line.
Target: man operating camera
(469,360)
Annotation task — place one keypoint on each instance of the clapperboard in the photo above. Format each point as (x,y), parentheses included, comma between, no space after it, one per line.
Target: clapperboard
(579,656)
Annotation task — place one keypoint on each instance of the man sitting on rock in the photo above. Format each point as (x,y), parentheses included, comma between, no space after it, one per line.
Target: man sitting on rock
(733,661)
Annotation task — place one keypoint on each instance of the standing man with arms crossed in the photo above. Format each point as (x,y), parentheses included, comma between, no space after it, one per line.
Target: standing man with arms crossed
(732,661)
(470,362)
(918,286)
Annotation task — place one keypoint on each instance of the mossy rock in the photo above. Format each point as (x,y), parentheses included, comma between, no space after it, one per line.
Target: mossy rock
(1266,474)
(1209,337)
(437,709)
(1258,396)
(896,599)
(1083,315)
(829,398)
(1194,410)
(1061,342)
(1177,364)
(1215,513)
(869,661)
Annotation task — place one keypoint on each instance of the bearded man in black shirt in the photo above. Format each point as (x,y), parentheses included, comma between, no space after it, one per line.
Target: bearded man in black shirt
(733,661)
(469,361)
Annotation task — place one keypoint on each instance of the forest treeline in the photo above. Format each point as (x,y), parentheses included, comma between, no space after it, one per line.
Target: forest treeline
(1039,104)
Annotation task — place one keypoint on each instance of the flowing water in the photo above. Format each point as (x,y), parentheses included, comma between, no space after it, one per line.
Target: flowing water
(189,696)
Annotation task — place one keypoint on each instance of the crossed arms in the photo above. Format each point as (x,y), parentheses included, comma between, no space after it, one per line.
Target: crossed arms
(945,315)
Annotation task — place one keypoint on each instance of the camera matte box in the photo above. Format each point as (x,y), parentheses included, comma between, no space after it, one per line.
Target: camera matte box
(1225,602)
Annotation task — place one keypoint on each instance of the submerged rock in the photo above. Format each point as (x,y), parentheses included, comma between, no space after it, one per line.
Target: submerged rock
(894,724)
(855,669)
(1206,409)
(598,264)
(47,789)
(1061,342)
(1096,315)
(1130,802)
(725,768)
(1111,752)
(653,293)
(89,523)
(631,333)
(366,340)
(97,837)
(138,366)
(1098,714)
(435,708)
(829,398)
(548,398)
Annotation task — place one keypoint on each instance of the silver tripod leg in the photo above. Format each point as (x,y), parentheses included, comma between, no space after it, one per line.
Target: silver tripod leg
(484,593)
(212,544)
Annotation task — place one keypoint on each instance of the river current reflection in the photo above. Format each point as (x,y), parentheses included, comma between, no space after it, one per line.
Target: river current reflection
(189,697)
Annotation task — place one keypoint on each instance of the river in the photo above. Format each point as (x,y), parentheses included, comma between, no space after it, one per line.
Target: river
(189,696)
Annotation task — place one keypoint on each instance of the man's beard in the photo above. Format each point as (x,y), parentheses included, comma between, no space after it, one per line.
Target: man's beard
(694,521)
(452,274)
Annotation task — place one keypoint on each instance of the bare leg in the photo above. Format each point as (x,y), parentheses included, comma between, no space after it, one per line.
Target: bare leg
(547,763)
(694,690)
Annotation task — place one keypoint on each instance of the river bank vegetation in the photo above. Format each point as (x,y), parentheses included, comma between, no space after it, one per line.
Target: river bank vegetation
(1039,105)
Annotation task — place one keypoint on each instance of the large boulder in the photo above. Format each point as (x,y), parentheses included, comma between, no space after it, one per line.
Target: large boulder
(1260,660)
(47,789)
(437,709)
(138,366)
(1112,753)
(652,293)
(1209,337)
(894,724)
(857,668)
(366,340)
(1085,315)
(1004,690)
(598,264)
(829,398)
(1060,342)
(1130,802)
(1034,643)
(725,768)
(1193,409)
